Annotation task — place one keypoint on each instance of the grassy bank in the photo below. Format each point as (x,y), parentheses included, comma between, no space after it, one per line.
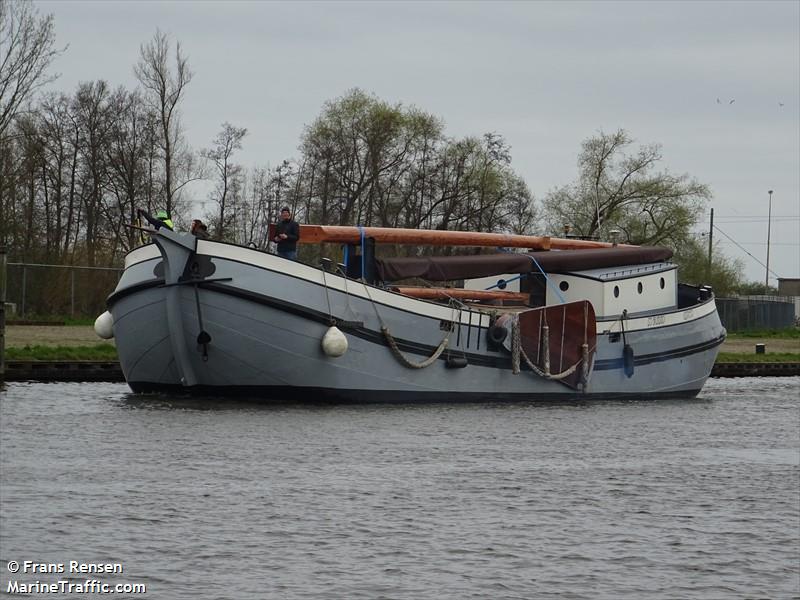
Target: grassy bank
(744,357)
(766,334)
(105,352)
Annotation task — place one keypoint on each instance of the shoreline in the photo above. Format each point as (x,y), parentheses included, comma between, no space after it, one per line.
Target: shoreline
(110,371)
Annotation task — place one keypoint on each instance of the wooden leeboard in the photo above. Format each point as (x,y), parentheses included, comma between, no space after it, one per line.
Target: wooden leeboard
(570,324)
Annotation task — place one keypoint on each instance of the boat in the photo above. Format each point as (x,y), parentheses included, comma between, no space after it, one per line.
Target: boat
(530,318)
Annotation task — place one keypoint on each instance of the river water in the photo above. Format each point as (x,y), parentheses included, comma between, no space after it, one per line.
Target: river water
(214,499)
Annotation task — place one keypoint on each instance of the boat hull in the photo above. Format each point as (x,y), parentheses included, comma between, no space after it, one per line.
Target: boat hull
(266,317)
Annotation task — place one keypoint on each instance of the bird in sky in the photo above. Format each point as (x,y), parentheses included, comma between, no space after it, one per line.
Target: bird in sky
(732,101)
(780,104)
(718,102)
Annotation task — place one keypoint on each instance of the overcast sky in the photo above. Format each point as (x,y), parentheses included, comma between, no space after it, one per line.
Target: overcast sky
(543,75)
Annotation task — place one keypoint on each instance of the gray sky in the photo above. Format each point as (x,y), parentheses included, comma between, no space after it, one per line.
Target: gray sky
(544,75)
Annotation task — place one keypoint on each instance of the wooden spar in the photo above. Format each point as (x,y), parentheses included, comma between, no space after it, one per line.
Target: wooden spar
(460,293)
(338,234)
(316,234)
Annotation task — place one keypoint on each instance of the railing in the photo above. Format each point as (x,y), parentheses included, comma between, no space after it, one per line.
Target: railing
(43,289)
(636,270)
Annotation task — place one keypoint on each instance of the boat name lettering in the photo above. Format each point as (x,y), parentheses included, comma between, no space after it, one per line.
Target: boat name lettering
(656,320)
(687,314)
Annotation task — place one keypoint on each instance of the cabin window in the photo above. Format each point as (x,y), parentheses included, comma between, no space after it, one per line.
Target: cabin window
(563,286)
(616,291)
(662,283)
(639,287)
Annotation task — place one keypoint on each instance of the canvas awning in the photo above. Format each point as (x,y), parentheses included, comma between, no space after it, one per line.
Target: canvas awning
(450,268)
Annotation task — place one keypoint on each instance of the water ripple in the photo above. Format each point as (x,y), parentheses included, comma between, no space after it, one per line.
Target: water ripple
(216,499)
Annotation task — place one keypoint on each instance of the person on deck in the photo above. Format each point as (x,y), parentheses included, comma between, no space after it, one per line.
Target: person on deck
(160,220)
(163,216)
(199,229)
(287,232)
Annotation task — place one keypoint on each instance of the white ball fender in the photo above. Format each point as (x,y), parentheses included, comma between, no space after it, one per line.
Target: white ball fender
(334,342)
(104,326)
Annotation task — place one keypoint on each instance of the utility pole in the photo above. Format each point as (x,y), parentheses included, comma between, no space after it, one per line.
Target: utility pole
(769,229)
(710,239)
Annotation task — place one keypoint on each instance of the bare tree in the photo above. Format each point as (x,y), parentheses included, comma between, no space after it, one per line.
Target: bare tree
(130,144)
(164,87)
(26,51)
(225,144)
(93,113)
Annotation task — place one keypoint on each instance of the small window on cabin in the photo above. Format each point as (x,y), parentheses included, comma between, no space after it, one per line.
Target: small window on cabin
(563,286)
(662,283)
(616,291)
(639,287)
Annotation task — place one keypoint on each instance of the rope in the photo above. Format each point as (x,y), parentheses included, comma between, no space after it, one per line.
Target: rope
(331,320)
(398,354)
(517,351)
(348,308)
(563,334)
(142,239)
(622,318)
(547,279)
(585,345)
(506,281)
(516,346)
(203,339)
(363,259)
(412,365)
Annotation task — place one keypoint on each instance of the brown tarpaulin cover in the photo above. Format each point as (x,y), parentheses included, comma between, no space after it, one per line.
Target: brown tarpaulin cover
(449,268)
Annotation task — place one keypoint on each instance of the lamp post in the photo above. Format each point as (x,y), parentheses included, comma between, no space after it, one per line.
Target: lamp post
(769,229)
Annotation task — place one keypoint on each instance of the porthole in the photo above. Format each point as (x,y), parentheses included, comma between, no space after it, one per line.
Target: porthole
(563,286)
(639,287)
(662,283)
(616,291)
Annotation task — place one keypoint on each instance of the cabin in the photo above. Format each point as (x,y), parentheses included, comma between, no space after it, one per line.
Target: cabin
(636,280)
(611,290)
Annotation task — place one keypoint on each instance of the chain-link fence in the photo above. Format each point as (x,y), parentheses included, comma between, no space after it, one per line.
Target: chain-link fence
(36,290)
(748,313)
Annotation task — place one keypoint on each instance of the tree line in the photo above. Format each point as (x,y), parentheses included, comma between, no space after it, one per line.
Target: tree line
(75,166)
